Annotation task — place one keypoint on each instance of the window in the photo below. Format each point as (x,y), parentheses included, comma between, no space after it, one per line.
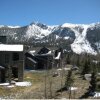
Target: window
(15,56)
(7,58)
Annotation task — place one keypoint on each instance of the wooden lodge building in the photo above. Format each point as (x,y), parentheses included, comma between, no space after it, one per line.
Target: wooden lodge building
(11,62)
(43,59)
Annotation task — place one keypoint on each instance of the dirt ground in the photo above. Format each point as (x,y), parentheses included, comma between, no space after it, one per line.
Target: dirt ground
(46,85)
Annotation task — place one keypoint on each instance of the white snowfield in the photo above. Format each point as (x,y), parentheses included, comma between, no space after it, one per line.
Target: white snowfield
(81,44)
(70,25)
(17,84)
(7,47)
(40,32)
(59,69)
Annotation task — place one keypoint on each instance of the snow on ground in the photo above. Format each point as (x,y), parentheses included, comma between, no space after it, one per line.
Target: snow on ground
(67,68)
(16,84)
(10,86)
(73,88)
(59,69)
(23,84)
(97,94)
(4,84)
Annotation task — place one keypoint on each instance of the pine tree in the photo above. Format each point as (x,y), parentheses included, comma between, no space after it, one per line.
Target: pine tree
(68,59)
(69,80)
(86,67)
(78,61)
(93,82)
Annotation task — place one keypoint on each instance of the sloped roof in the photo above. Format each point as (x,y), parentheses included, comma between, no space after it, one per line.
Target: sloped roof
(58,56)
(43,50)
(32,60)
(8,47)
(1,67)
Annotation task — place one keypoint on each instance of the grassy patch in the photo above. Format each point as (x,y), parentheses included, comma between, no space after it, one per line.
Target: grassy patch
(53,84)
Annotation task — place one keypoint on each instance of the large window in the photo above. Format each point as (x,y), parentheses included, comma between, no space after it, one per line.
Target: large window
(15,56)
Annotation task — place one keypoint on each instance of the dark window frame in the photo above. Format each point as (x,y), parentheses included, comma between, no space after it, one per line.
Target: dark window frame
(7,56)
(15,56)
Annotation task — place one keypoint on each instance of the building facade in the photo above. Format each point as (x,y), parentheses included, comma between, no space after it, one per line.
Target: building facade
(11,62)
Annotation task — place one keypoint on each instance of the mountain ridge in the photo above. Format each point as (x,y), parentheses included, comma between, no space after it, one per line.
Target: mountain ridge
(82,38)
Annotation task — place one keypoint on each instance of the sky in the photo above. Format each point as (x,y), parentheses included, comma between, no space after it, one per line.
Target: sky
(50,12)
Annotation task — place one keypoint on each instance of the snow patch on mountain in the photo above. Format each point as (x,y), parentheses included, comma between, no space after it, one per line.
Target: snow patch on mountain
(13,26)
(42,33)
(37,32)
(1,26)
(57,37)
(81,44)
(69,25)
(66,38)
(98,46)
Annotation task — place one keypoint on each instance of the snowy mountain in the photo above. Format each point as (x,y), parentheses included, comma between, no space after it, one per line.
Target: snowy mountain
(80,38)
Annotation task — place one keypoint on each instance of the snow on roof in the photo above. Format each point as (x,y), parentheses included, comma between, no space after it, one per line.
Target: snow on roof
(32,51)
(32,60)
(1,67)
(58,56)
(8,47)
(49,52)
